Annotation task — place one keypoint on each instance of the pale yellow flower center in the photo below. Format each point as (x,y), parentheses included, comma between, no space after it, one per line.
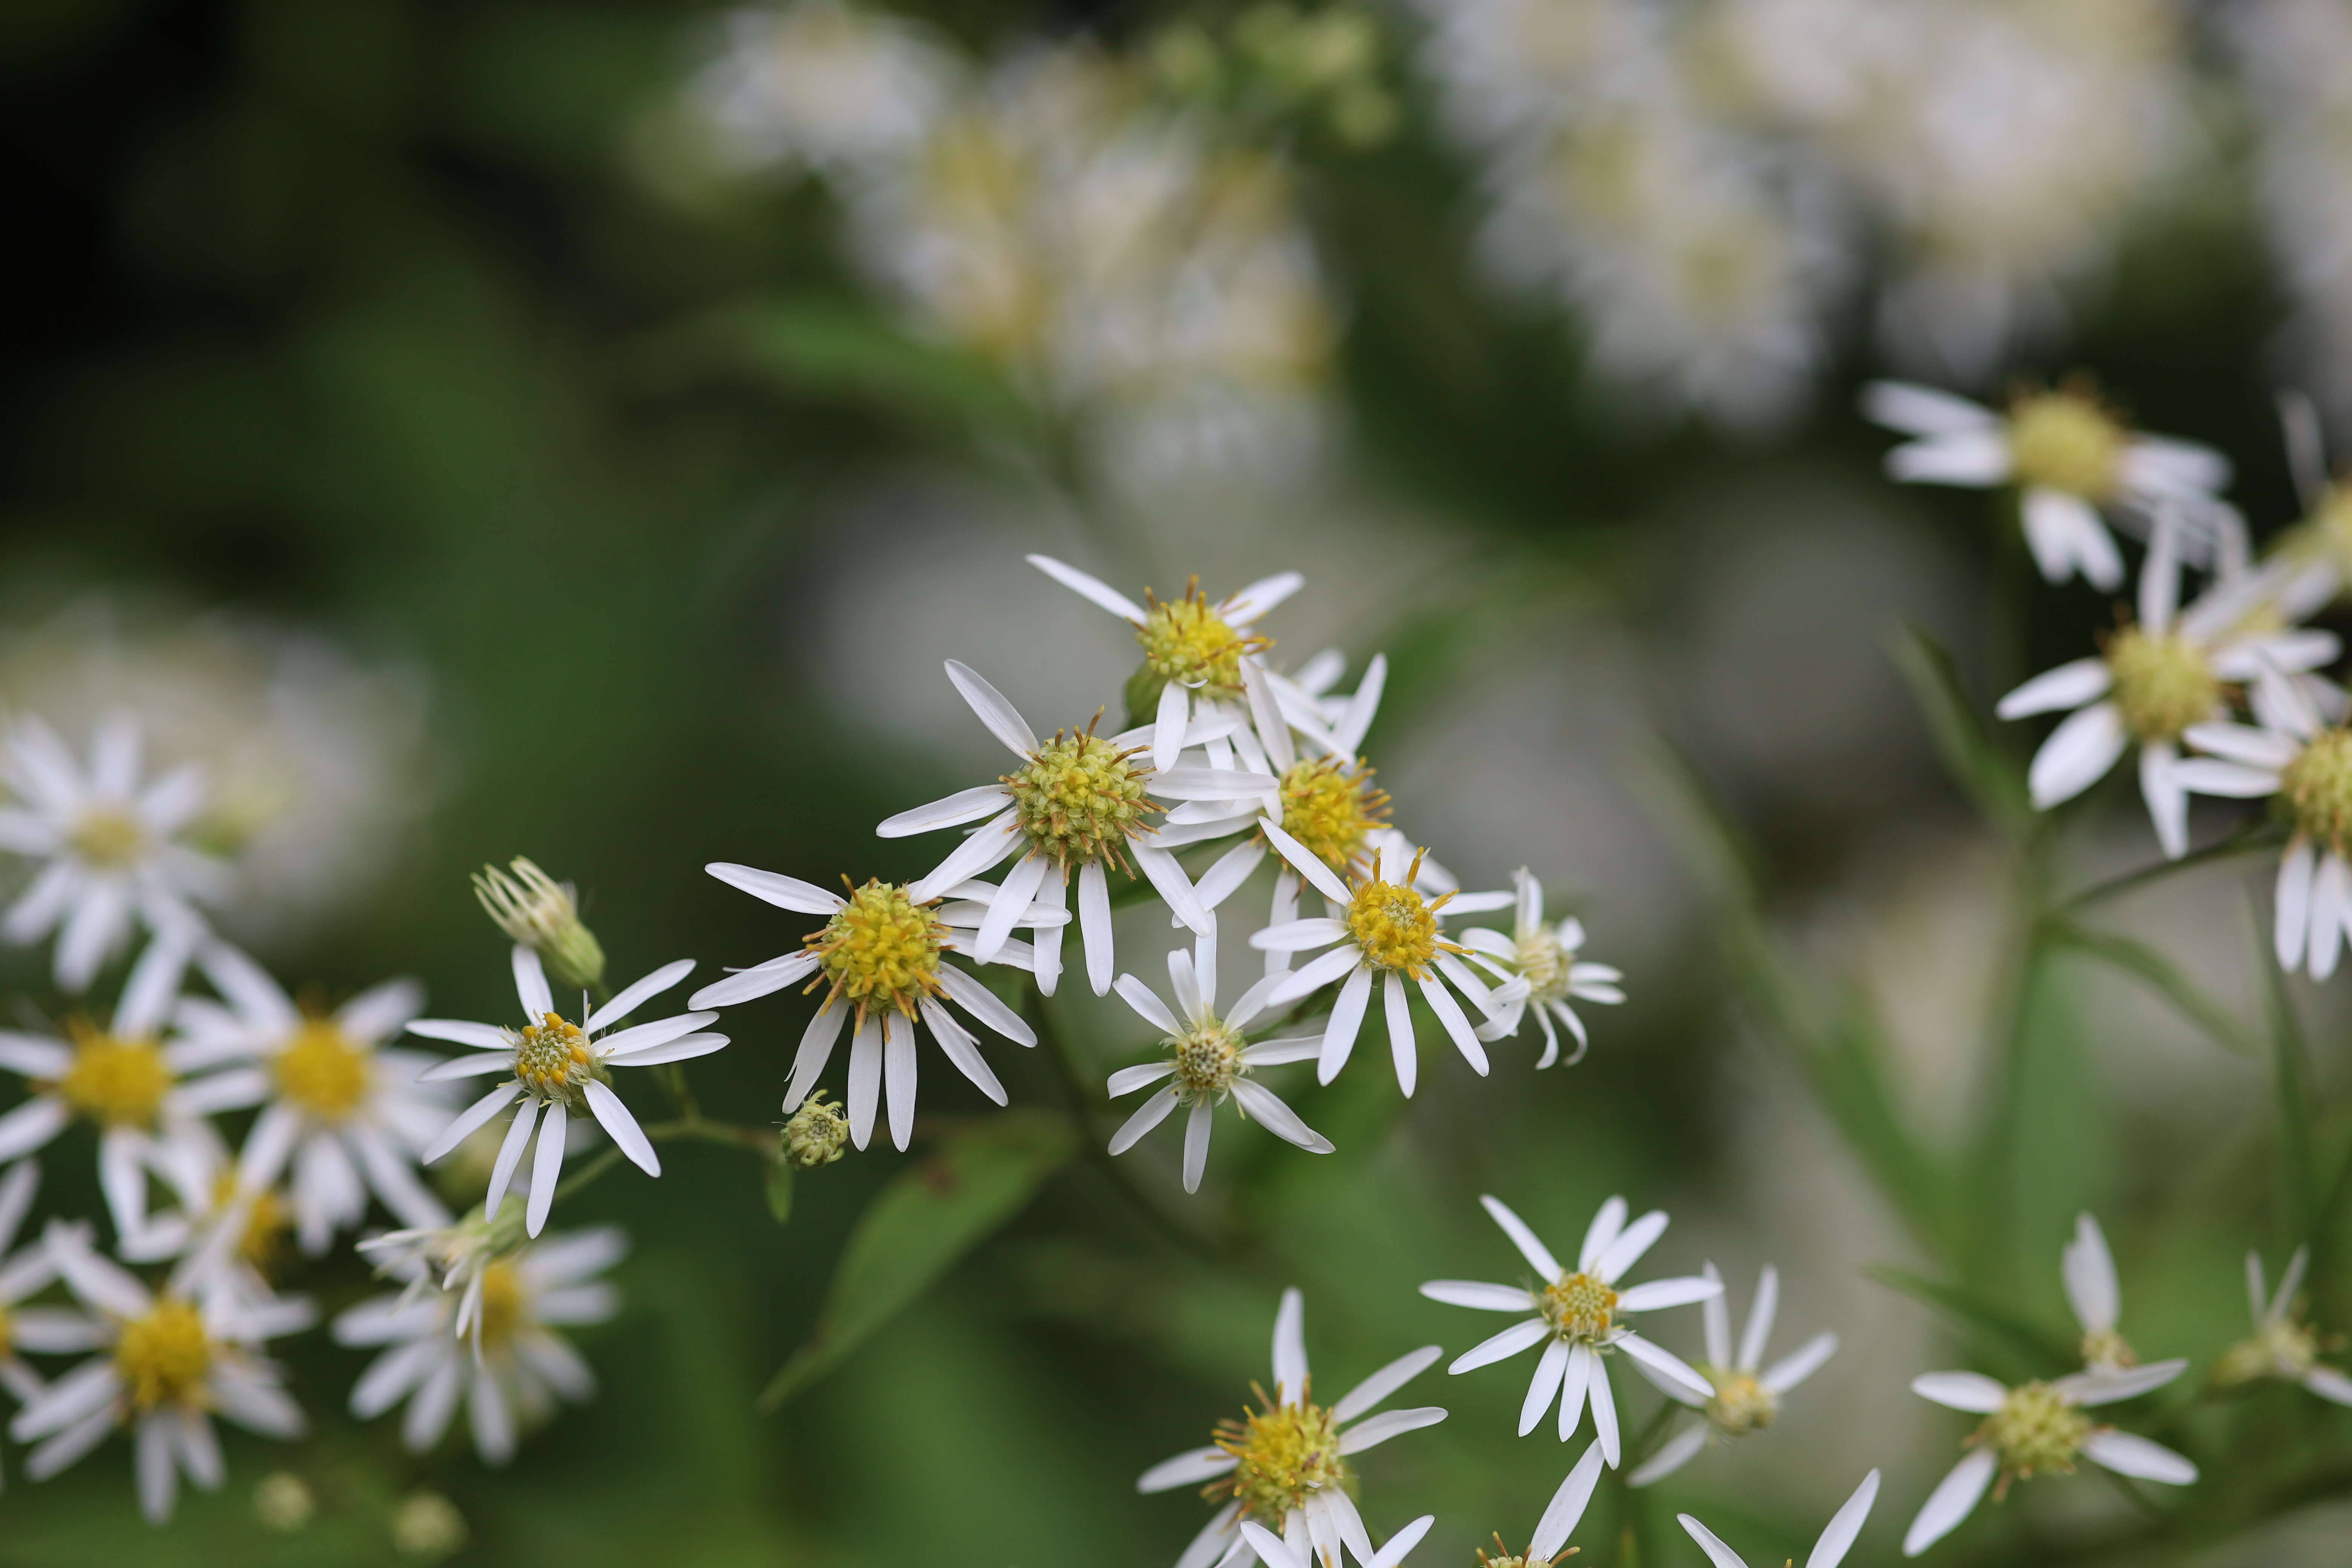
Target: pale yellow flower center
(1741,1405)
(1207,1060)
(2286,1349)
(2163,683)
(500,1308)
(113,1081)
(1186,641)
(1395,927)
(1329,809)
(552,1058)
(1284,1455)
(109,836)
(1578,1306)
(163,1357)
(880,950)
(2315,790)
(2064,441)
(1079,799)
(2034,1431)
(322,1070)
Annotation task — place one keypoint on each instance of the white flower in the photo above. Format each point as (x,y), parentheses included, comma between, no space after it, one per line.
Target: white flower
(234,1233)
(881,953)
(43,1330)
(111,846)
(2089,1270)
(1388,930)
(1579,1318)
(346,1110)
(487,1346)
(1548,1545)
(2283,1345)
(559,1068)
(821,82)
(168,1361)
(1746,1395)
(2306,763)
(1077,801)
(2071,459)
(1545,956)
(123,1078)
(1288,1462)
(1276,1552)
(2038,1427)
(1210,1058)
(2156,682)
(1830,1551)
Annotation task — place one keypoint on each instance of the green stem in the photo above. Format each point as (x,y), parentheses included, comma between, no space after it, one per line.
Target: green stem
(752,1139)
(2254,835)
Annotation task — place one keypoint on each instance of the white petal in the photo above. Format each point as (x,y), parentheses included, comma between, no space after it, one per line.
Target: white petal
(1476,1294)
(1149,1115)
(637,994)
(784,892)
(1537,1255)
(1677,1451)
(1799,1365)
(1383,1382)
(1566,1509)
(1199,1123)
(2127,1455)
(1718,1324)
(1681,1291)
(1670,1368)
(2089,1271)
(1838,1539)
(2234,781)
(1607,1221)
(961,1049)
(1922,411)
(1305,861)
(1004,720)
(2077,755)
(1952,1501)
(2166,797)
(898,1075)
(1092,588)
(984,1005)
(1377,1429)
(1347,1018)
(472,1117)
(546,1169)
(1278,1118)
(2291,912)
(1094,924)
(1291,1348)
(1500,1347)
(982,850)
(531,984)
(1969,1391)
(1188,1469)
(2105,1386)
(950,810)
(1544,1386)
(1631,1243)
(1719,1555)
(615,1119)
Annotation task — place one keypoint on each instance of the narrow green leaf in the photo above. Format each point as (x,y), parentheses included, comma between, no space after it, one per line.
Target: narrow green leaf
(2144,962)
(1989,778)
(920,1225)
(2290,1080)
(779,1192)
(2030,1348)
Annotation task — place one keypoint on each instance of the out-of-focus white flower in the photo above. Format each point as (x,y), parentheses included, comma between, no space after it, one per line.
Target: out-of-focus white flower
(2071,461)
(827,85)
(1210,1060)
(1747,1393)
(2034,1427)
(488,1347)
(881,953)
(2159,681)
(239,1231)
(1545,956)
(1287,1464)
(559,1068)
(2283,1345)
(1580,1318)
(25,1274)
(1549,1545)
(168,1362)
(112,845)
(1276,1552)
(1837,1539)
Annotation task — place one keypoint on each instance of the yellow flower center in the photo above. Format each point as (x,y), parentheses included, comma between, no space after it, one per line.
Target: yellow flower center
(1505,1558)
(1186,641)
(263,1244)
(7,1333)
(115,1082)
(2286,1349)
(1578,1306)
(881,949)
(1207,1060)
(2315,790)
(163,1357)
(322,1070)
(2162,684)
(1395,926)
(2108,1349)
(1741,1405)
(1543,964)
(1329,809)
(500,1310)
(2034,1431)
(2064,441)
(552,1059)
(1284,1454)
(1080,798)
(2330,524)
(109,836)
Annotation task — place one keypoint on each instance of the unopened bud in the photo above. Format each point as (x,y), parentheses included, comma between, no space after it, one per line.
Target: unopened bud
(816,1134)
(427,1527)
(282,1503)
(542,915)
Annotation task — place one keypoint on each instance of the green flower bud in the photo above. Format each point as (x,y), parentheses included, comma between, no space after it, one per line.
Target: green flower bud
(816,1134)
(542,915)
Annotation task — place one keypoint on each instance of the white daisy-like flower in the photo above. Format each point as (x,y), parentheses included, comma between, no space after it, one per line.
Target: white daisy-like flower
(122,1077)
(1287,1464)
(1077,803)
(1210,1058)
(2089,1270)
(113,845)
(2074,463)
(168,1361)
(489,1346)
(23,1274)
(1276,1552)
(1835,1542)
(882,954)
(1579,1317)
(1544,955)
(1549,1545)
(347,1111)
(241,1230)
(1386,930)
(2295,755)
(2283,1345)
(559,1068)
(1747,1397)
(2034,1427)
(2158,682)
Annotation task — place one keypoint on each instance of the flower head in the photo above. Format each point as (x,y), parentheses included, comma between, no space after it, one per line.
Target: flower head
(1746,1393)
(535,909)
(2283,1345)
(1837,1539)
(1546,957)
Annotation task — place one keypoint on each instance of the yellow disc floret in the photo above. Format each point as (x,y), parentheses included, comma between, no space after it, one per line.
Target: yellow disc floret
(2108,1349)
(2034,1431)
(1395,927)
(880,950)
(1578,1306)
(2065,441)
(1207,1060)
(263,1242)
(1284,1453)
(1505,1558)
(2315,790)
(162,1357)
(500,1310)
(114,1082)
(1329,807)
(322,1070)
(2286,1349)
(1080,799)
(109,836)
(1186,641)
(1741,1405)
(552,1059)
(2163,683)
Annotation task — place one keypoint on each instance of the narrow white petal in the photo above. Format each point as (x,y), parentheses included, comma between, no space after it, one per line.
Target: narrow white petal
(1799,1365)
(1291,1348)
(615,1119)
(1838,1537)
(1566,1509)
(1004,720)
(2089,1271)
(784,892)
(1537,1255)
(2128,1454)
(1383,1382)
(1090,587)
(1759,1320)
(1969,1391)
(1373,1430)
(1500,1347)
(2077,754)
(1953,1499)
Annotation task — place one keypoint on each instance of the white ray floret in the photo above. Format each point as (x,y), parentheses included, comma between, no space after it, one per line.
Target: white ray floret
(554,1069)
(1210,1059)
(1577,1315)
(2089,1271)
(1285,1463)
(25,1274)
(882,954)
(2283,1345)
(112,845)
(167,1363)
(1836,1540)
(1747,1397)
(1545,956)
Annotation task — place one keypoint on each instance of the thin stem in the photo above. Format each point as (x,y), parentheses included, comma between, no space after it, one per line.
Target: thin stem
(752,1139)
(2256,835)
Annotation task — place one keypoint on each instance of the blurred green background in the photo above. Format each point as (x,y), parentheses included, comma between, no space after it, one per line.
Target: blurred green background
(397,326)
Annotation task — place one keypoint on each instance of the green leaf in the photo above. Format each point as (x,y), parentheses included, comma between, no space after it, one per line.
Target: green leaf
(919,1227)
(779,1192)
(2144,962)
(1957,728)
(2291,1079)
(2017,1341)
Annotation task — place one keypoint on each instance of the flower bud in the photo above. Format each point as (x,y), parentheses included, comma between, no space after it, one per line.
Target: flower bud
(542,915)
(816,1134)
(427,1526)
(282,1503)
